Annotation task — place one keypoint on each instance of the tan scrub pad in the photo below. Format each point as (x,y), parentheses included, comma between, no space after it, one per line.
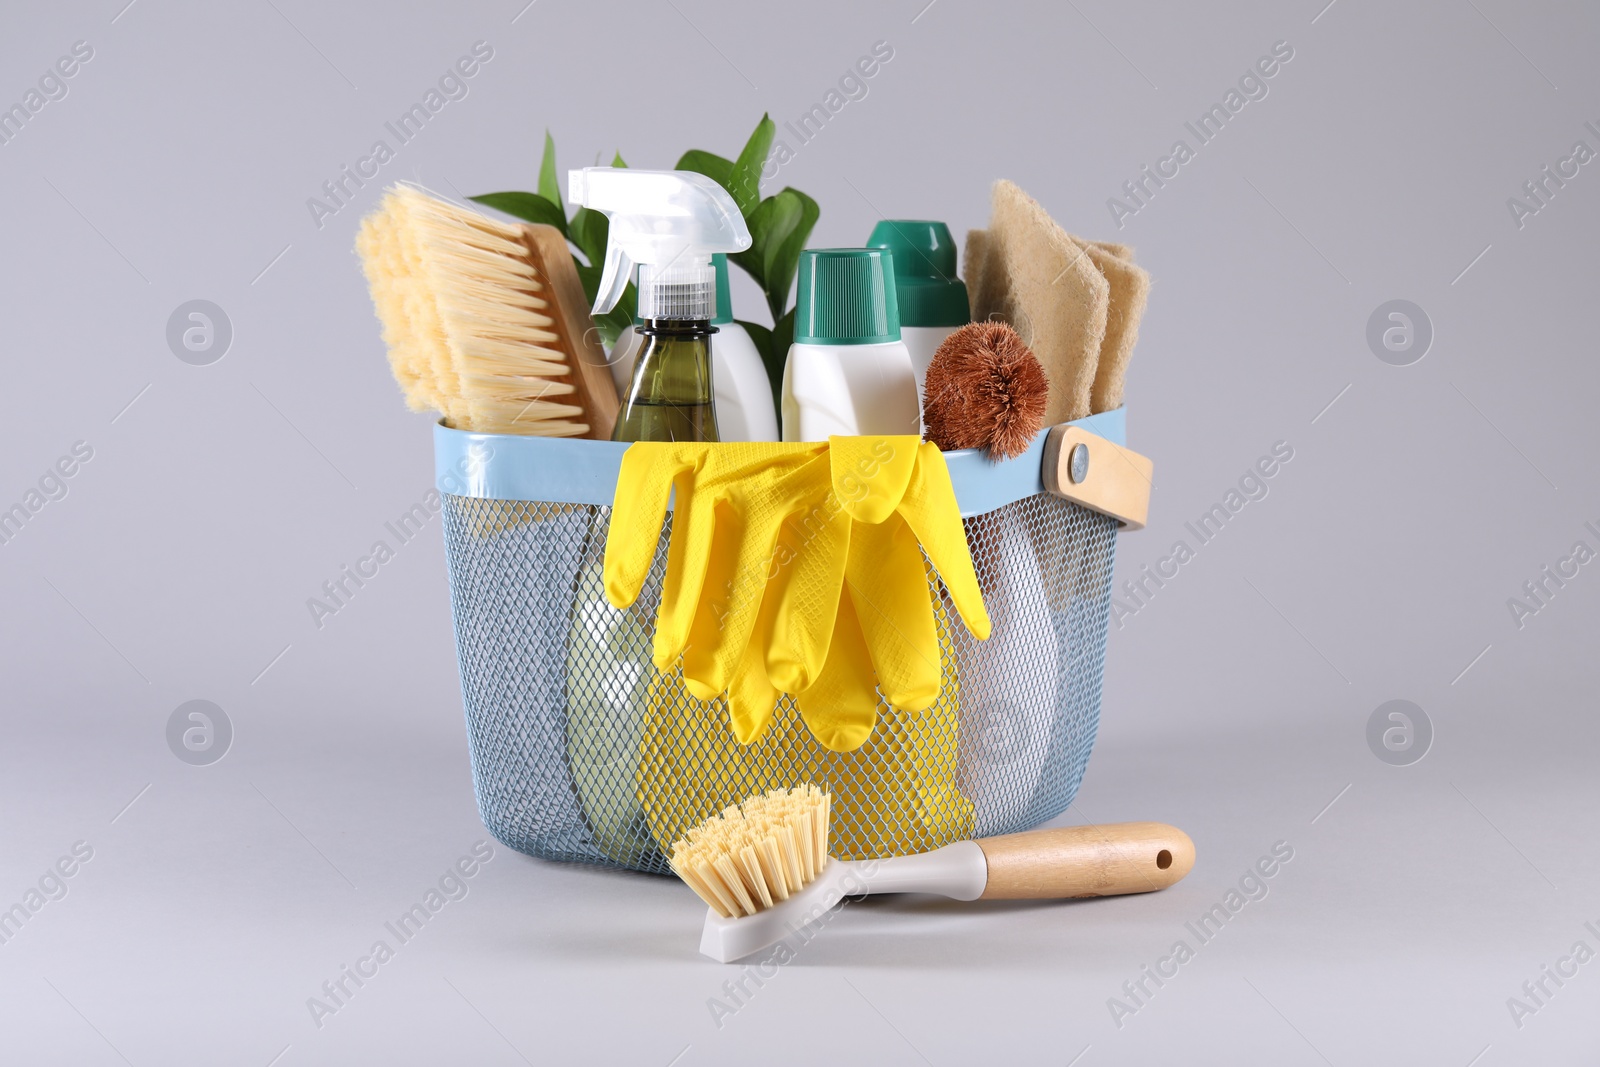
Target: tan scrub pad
(1041,281)
(1120,251)
(976,271)
(1130,288)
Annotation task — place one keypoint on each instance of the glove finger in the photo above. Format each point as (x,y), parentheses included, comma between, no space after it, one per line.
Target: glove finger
(870,474)
(841,707)
(930,509)
(805,583)
(644,484)
(705,531)
(888,583)
(751,696)
(727,527)
(720,625)
(736,581)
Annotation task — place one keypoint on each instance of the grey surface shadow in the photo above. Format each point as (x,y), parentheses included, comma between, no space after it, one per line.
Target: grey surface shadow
(652,935)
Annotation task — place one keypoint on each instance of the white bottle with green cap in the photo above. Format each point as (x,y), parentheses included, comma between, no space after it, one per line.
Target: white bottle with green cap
(848,372)
(741,390)
(933,301)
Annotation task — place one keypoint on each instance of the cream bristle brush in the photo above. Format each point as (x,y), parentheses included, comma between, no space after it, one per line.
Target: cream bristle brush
(763,867)
(486,321)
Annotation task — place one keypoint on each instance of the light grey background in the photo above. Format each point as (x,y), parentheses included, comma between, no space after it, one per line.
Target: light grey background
(1419,500)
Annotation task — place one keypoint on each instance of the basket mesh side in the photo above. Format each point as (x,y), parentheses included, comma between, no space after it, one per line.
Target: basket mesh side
(582,750)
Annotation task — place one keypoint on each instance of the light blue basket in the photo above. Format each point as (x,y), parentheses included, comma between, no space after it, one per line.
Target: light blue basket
(554,680)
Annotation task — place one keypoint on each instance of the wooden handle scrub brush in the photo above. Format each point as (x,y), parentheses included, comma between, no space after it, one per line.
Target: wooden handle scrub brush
(486,321)
(763,867)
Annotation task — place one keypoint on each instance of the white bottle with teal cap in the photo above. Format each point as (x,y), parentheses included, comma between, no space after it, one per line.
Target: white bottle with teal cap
(848,373)
(741,390)
(933,301)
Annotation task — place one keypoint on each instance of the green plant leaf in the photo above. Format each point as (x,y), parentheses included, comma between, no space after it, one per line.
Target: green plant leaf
(785,217)
(744,180)
(784,262)
(616,160)
(762,222)
(779,230)
(711,165)
(590,277)
(549,184)
(612,325)
(589,232)
(530,207)
(772,218)
(627,308)
(750,262)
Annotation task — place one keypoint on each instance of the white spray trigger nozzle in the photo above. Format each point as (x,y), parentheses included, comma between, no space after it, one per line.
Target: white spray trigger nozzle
(668,223)
(615,273)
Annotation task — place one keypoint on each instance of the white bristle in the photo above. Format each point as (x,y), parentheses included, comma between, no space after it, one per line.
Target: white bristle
(466,317)
(754,854)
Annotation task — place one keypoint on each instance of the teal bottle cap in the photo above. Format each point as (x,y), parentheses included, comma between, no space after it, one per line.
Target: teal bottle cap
(925,271)
(724,311)
(847,297)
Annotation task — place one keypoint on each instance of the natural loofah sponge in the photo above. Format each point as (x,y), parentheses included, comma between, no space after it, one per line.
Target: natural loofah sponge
(985,390)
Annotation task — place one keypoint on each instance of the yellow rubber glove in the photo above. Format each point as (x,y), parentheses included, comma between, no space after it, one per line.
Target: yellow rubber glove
(869,476)
(927,503)
(751,695)
(804,588)
(889,591)
(731,501)
(765,539)
(822,646)
(891,488)
(809,569)
(841,706)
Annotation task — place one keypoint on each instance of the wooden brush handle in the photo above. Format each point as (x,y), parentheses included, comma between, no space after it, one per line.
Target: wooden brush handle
(595,392)
(1086,861)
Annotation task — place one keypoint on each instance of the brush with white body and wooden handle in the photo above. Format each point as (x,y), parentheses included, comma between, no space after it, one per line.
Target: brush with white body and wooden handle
(763,868)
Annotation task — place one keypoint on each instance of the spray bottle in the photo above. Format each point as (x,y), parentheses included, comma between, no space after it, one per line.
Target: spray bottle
(669,223)
(742,392)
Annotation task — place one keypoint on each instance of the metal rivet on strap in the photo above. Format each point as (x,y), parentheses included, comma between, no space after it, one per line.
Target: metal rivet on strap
(1078,463)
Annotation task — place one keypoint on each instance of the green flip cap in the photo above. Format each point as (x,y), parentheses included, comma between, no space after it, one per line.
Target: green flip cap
(847,297)
(925,271)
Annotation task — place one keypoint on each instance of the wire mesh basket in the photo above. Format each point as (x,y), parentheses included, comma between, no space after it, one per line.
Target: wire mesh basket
(582,750)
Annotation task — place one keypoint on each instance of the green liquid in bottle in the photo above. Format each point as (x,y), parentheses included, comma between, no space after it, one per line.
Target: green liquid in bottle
(670,396)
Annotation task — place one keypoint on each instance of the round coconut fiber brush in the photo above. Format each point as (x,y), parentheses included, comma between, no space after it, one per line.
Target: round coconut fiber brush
(985,389)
